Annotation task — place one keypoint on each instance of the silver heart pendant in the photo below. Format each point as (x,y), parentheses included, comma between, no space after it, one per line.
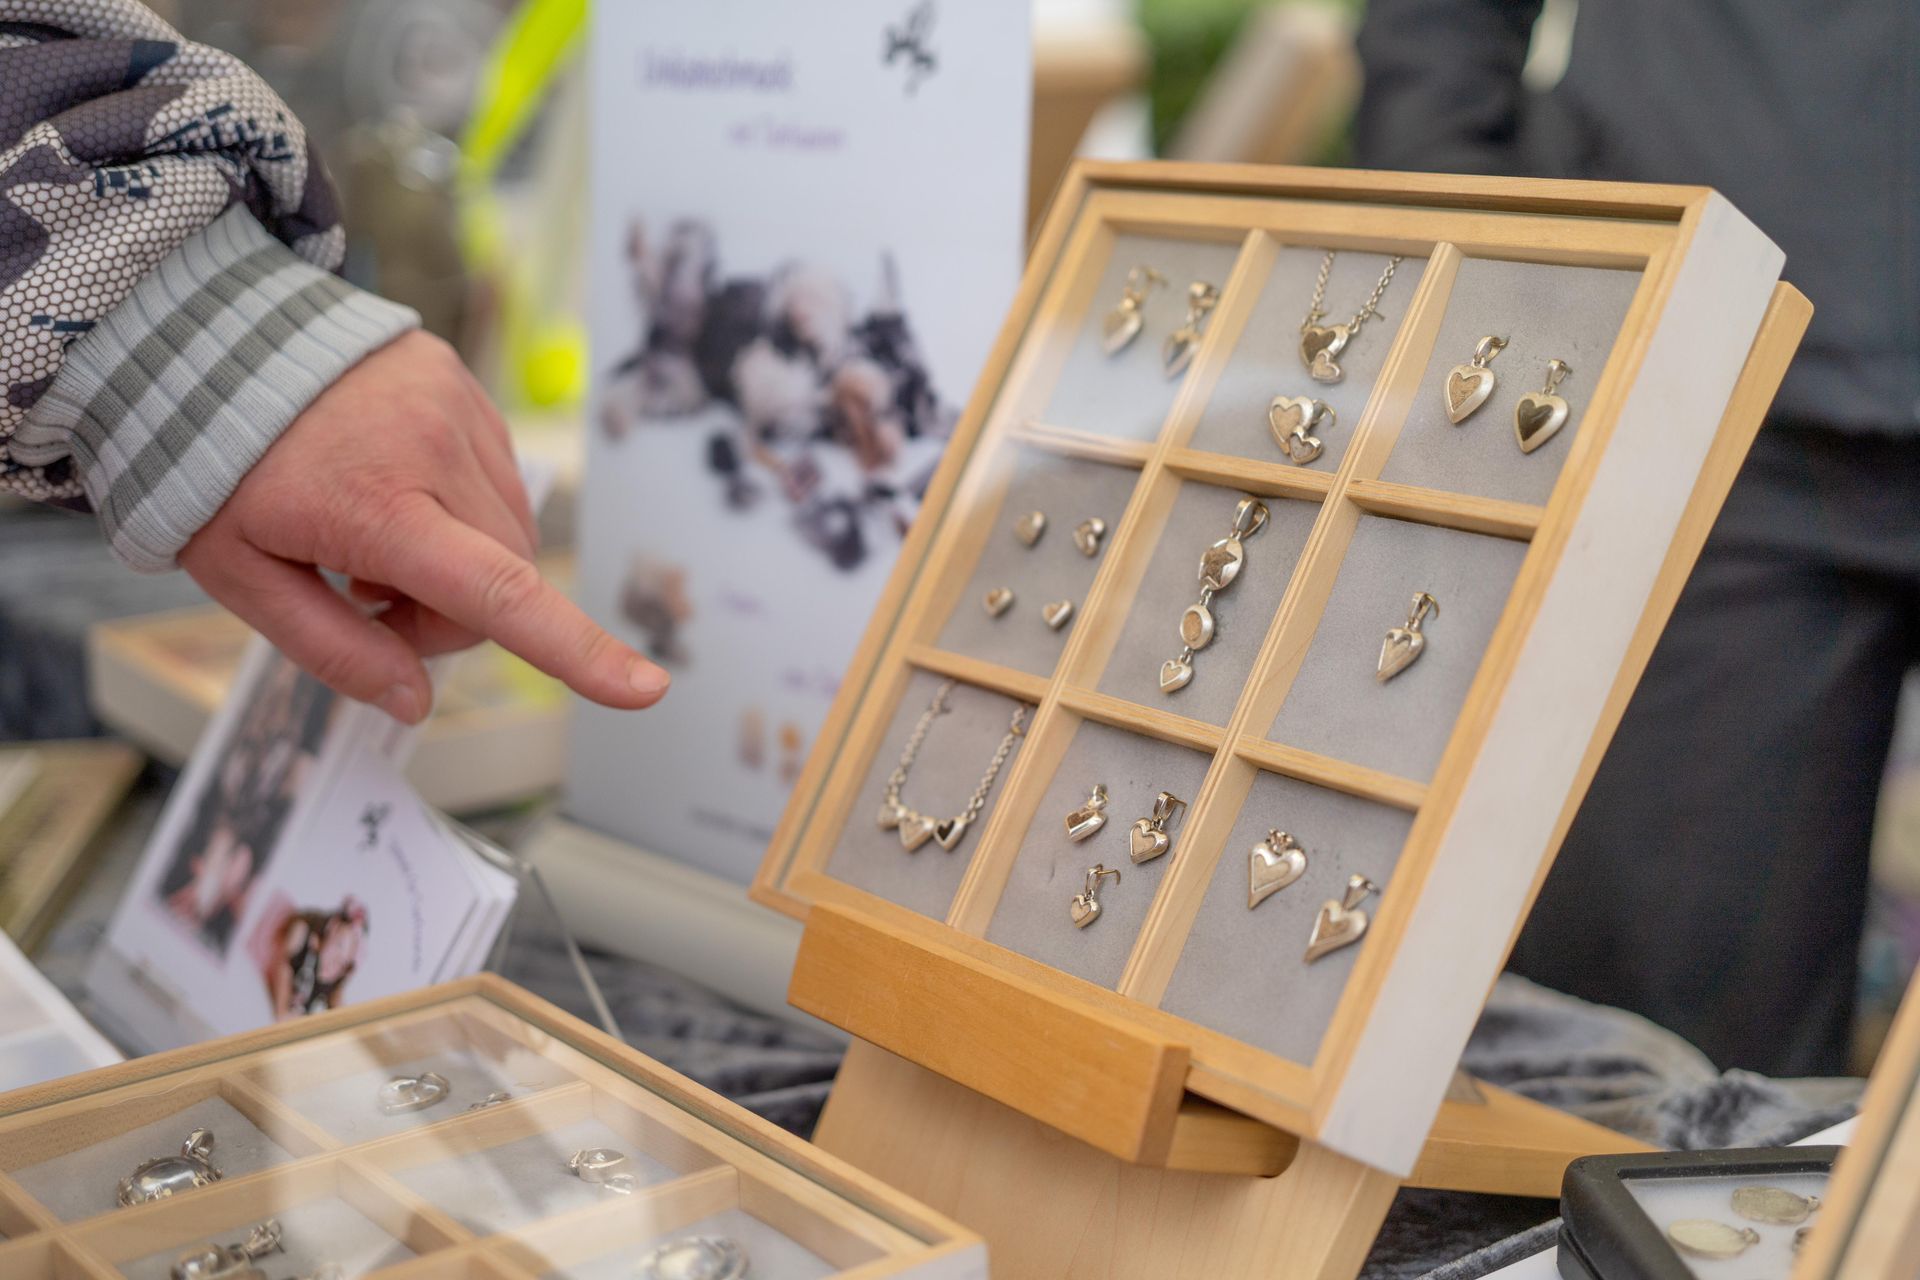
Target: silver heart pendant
(1030,526)
(1083,822)
(1335,927)
(915,830)
(1536,418)
(1196,627)
(1221,564)
(948,833)
(1085,909)
(1468,387)
(1121,327)
(998,601)
(889,816)
(1272,865)
(1321,345)
(1057,614)
(1323,369)
(1146,841)
(1177,352)
(1174,674)
(1398,652)
(1302,448)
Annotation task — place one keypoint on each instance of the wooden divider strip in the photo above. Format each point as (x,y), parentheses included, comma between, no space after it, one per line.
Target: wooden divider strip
(1470,514)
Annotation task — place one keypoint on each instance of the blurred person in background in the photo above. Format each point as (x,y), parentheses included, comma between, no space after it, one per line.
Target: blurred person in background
(177,356)
(1716,878)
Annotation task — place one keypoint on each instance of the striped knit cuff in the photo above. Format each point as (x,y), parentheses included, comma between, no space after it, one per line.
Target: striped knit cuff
(176,393)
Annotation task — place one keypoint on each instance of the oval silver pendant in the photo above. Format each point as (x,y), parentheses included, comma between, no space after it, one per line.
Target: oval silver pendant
(166,1176)
(1221,564)
(1705,1238)
(1196,627)
(696,1258)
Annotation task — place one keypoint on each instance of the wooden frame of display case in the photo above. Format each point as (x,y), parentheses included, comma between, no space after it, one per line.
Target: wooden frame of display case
(724,1157)
(1158,1098)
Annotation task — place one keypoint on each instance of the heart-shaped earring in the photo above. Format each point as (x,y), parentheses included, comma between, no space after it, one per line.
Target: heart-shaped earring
(1468,385)
(1149,838)
(1057,614)
(1029,527)
(1291,419)
(1087,535)
(998,601)
(1341,921)
(1540,414)
(1404,645)
(1124,322)
(1085,908)
(1177,352)
(1089,817)
(1272,865)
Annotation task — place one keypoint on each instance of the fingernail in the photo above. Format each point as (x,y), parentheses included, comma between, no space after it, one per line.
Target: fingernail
(403,704)
(647,678)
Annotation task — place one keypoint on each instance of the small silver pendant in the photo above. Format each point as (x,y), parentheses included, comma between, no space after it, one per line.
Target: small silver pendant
(1175,673)
(1148,838)
(1272,865)
(888,819)
(1177,352)
(606,1168)
(1468,385)
(1705,1238)
(1085,907)
(1089,817)
(166,1176)
(1320,347)
(1539,415)
(696,1258)
(1291,419)
(1221,564)
(915,829)
(1773,1205)
(413,1093)
(1404,645)
(230,1261)
(1341,922)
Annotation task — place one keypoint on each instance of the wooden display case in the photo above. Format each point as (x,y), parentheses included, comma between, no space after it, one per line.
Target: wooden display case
(476,1185)
(1182,1035)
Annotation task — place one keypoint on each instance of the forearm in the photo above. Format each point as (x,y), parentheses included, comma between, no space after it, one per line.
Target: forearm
(1442,89)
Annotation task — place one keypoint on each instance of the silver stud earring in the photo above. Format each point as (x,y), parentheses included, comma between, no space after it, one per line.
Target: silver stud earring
(1057,613)
(1087,535)
(998,601)
(1029,527)
(1085,908)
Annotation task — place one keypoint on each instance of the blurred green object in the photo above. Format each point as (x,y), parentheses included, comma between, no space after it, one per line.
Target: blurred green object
(1188,38)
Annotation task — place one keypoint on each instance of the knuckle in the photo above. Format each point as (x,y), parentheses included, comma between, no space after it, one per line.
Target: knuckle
(510,587)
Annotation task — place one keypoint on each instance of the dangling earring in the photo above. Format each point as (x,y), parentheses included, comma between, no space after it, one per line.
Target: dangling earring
(1541,413)
(1176,353)
(1123,323)
(1291,419)
(1404,645)
(1469,384)
(1149,838)
(1085,908)
(1272,865)
(1341,921)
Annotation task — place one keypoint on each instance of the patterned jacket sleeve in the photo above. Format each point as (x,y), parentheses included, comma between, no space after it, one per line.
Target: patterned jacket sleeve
(167,302)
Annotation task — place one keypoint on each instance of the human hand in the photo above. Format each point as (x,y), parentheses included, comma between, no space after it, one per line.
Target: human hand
(401,477)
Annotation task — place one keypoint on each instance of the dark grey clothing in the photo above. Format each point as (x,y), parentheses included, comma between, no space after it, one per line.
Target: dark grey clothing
(1804,113)
(1715,880)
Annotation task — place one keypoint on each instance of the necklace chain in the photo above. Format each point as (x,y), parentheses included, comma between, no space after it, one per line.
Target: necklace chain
(935,709)
(1370,309)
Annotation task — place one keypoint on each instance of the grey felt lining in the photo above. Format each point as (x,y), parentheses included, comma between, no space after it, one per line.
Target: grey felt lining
(1336,707)
(312,1234)
(1032,916)
(955,753)
(770,1254)
(347,1105)
(1068,491)
(82,1183)
(1266,360)
(1201,515)
(1546,313)
(499,1188)
(1128,394)
(1243,973)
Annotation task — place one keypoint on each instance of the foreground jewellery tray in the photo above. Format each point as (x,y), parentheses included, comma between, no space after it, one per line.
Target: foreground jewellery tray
(468,1130)
(1381,562)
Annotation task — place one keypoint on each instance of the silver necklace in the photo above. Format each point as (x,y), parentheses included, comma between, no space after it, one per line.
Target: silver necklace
(1321,344)
(917,828)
